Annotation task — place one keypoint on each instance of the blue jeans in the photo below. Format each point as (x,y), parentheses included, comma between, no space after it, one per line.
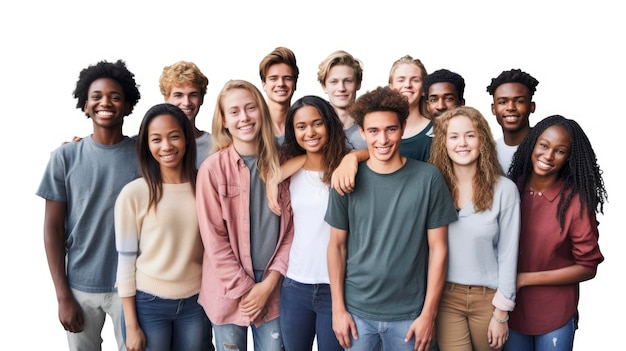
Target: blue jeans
(306,311)
(376,335)
(171,324)
(561,339)
(267,337)
(231,337)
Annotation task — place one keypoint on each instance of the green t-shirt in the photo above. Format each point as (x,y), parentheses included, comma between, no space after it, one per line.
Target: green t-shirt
(387,217)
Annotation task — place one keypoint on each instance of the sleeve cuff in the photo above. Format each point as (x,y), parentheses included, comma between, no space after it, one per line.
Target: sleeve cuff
(502,303)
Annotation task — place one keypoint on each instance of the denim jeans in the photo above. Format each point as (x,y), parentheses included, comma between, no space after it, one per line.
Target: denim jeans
(95,308)
(232,337)
(561,339)
(172,324)
(376,335)
(306,311)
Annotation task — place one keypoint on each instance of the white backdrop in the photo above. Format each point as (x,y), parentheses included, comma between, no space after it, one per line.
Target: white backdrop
(575,50)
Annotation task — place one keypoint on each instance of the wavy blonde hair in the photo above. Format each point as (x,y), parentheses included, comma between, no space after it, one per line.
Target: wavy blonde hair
(488,169)
(267,148)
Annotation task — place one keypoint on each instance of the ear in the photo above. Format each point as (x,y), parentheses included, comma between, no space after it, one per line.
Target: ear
(462,102)
(493,109)
(532,107)
(361,131)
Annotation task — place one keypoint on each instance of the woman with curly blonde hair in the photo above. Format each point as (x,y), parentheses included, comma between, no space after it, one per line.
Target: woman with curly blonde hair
(483,243)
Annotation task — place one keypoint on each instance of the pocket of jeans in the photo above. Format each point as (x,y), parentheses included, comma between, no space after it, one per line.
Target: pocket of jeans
(141,296)
(287,282)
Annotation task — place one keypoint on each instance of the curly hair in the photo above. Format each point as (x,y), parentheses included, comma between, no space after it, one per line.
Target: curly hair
(513,76)
(180,73)
(267,160)
(380,99)
(104,69)
(444,76)
(335,148)
(340,58)
(581,172)
(150,168)
(487,167)
(279,55)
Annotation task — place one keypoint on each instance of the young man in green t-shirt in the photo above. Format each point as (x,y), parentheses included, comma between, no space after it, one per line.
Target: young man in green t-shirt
(388,247)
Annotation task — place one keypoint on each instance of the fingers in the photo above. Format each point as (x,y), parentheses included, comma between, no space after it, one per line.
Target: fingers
(497,342)
(344,338)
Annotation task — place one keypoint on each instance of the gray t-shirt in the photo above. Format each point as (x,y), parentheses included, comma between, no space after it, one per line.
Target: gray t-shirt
(354,140)
(264,224)
(387,217)
(88,177)
(204,144)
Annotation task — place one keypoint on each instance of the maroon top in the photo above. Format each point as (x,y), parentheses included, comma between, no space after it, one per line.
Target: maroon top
(544,246)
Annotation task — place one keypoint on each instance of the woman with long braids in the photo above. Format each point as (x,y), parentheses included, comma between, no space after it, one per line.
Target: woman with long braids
(561,190)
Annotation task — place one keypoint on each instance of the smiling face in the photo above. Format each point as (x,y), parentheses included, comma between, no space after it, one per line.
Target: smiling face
(407,79)
(551,152)
(512,106)
(242,118)
(188,98)
(166,140)
(280,83)
(106,104)
(341,86)
(462,141)
(382,133)
(310,130)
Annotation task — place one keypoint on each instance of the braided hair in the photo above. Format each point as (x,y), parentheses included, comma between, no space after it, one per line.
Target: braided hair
(581,172)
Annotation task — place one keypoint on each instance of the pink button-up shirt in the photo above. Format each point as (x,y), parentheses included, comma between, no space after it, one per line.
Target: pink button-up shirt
(223,200)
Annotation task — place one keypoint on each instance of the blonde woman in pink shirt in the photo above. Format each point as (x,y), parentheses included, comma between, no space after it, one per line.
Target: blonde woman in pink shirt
(246,245)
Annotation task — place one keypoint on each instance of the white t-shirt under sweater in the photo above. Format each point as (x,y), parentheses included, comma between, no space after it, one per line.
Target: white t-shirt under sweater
(309,199)
(505,154)
(158,252)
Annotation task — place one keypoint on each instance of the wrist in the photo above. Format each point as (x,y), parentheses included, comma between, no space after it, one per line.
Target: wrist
(500,320)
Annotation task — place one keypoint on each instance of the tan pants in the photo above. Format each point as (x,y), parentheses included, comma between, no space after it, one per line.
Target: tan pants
(463,318)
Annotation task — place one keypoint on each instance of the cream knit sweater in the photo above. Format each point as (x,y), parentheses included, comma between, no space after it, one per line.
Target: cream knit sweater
(159,252)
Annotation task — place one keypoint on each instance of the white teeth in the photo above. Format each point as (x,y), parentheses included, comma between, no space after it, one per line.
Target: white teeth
(168,157)
(245,128)
(104,113)
(543,165)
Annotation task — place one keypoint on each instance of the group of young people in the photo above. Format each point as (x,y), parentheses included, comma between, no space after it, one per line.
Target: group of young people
(393,220)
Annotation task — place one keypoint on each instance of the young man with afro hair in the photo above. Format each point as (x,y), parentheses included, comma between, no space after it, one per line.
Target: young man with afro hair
(80,185)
